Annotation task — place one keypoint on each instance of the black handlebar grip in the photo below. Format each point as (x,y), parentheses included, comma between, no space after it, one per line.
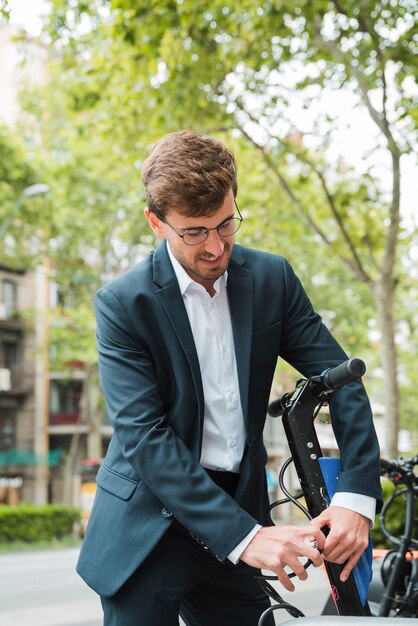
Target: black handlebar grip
(338,376)
(275,408)
(389,466)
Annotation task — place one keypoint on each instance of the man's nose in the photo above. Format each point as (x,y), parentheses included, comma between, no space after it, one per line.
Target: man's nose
(214,244)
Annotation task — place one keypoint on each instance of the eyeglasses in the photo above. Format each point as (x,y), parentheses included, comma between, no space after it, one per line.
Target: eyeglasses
(194,236)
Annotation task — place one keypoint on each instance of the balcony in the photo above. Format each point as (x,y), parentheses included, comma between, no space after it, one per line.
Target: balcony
(5,379)
(12,388)
(64,419)
(12,326)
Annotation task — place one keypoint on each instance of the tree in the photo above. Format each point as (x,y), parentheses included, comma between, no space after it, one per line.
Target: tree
(224,66)
(93,234)
(243,55)
(21,233)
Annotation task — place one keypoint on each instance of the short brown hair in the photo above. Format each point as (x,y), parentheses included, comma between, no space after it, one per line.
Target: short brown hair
(189,172)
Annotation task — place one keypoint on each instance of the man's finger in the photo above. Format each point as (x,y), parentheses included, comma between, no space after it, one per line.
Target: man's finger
(316,557)
(316,536)
(347,569)
(284,579)
(298,569)
(336,552)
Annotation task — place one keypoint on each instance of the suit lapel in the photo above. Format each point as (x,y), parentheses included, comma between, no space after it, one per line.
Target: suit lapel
(240,293)
(169,295)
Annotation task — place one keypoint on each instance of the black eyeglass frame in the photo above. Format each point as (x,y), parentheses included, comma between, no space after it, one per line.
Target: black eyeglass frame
(238,219)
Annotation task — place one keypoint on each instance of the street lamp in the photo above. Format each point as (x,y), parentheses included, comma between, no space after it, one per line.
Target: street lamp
(37,189)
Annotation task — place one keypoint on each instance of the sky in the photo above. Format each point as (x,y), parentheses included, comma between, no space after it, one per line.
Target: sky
(28,13)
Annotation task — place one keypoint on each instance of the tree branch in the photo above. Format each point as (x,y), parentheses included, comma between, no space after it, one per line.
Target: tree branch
(367,29)
(378,118)
(355,268)
(393,229)
(285,185)
(382,123)
(360,271)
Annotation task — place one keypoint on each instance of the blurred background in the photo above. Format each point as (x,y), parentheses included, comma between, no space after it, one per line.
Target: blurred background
(317,98)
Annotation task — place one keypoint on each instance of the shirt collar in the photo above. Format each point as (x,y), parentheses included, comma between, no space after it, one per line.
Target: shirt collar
(186,282)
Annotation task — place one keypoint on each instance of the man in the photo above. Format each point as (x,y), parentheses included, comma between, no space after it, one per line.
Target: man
(188,342)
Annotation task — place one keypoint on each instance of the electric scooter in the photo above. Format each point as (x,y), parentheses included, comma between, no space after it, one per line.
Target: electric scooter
(317,476)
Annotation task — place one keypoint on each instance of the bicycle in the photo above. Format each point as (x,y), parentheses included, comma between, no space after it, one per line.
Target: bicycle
(394,587)
(299,410)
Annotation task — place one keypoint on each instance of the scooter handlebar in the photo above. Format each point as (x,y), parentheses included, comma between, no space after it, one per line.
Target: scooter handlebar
(336,377)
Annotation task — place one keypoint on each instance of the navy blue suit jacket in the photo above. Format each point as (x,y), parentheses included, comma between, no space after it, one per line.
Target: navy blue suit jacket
(151,380)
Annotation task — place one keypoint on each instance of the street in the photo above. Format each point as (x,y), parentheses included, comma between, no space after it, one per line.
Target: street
(41,588)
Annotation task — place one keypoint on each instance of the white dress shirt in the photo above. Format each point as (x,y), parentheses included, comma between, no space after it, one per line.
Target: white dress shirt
(224,431)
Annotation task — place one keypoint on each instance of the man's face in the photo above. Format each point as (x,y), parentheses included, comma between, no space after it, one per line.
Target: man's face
(208,260)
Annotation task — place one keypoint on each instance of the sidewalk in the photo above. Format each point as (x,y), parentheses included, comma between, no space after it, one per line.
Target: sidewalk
(41,588)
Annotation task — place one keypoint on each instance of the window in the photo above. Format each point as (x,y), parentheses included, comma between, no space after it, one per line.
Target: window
(61,296)
(9,299)
(10,360)
(7,430)
(64,401)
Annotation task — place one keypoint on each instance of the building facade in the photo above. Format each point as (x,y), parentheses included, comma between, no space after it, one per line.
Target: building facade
(23,446)
(43,438)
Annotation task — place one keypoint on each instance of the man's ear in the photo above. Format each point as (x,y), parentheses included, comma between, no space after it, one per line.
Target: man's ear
(156,224)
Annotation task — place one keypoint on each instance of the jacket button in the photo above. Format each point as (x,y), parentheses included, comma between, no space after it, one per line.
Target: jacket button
(199,541)
(166,513)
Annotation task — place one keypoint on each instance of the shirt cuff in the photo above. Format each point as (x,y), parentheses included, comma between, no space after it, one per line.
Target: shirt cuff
(239,549)
(358,502)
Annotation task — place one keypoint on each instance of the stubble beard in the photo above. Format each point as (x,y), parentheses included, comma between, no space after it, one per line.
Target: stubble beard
(214,273)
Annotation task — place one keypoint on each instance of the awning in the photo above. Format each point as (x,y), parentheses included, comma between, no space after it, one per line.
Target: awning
(29,457)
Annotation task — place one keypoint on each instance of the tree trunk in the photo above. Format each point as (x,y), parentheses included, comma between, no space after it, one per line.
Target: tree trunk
(384,287)
(71,466)
(92,413)
(384,291)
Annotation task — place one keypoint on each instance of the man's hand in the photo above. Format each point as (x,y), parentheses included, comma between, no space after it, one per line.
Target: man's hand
(275,547)
(347,539)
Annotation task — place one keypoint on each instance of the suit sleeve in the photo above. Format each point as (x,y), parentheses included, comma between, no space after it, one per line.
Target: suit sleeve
(310,348)
(134,402)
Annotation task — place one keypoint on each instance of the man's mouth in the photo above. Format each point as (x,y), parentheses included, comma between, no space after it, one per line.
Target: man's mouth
(212,262)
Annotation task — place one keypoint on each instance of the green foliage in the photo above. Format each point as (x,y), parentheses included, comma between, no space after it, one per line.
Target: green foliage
(15,172)
(29,523)
(394,519)
(4,10)
(146,68)
(263,77)
(72,333)
(19,219)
